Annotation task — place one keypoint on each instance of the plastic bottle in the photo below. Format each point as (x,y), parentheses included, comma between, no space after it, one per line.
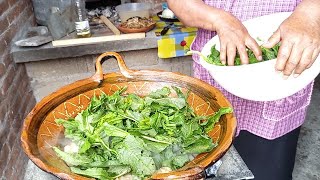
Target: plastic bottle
(81,21)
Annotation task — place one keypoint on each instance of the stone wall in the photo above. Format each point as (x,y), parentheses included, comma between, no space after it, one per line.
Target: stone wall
(16,96)
(49,75)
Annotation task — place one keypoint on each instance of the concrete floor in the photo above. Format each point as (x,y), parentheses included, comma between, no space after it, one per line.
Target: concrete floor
(307,165)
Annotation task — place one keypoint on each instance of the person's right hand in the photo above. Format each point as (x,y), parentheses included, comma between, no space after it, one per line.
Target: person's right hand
(232,34)
(234,37)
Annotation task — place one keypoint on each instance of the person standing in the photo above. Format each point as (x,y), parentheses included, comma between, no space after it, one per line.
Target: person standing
(267,132)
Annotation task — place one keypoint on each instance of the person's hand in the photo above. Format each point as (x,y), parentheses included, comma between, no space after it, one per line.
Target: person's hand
(232,34)
(234,37)
(300,43)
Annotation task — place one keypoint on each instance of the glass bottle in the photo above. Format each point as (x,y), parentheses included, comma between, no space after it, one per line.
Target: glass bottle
(81,21)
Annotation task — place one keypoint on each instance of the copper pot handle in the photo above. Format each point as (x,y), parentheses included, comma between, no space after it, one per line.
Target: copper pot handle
(98,76)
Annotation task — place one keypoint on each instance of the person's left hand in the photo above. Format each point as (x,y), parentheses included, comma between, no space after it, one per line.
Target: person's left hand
(300,43)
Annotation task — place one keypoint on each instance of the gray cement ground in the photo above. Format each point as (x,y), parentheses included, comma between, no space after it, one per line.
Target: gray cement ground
(307,165)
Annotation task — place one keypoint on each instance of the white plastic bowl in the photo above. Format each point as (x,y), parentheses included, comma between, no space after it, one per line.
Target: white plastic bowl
(129,10)
(258,82)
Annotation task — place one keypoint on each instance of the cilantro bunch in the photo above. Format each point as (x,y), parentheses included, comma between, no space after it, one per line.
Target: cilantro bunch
(123,133)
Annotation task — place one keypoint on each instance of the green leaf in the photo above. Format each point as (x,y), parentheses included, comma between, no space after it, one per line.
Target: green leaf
(268,54)
(137,103)
(119,170)
(253,60)
(166,138)
(84,146)
(132,153)
(98,173)
(215,118)
(276,48)
(214,51)
(149,132)
(251,54)
(84,121)
(103,164)
(179,92)
(111,118)
(133,115)
(154,146)
(214,57)
(178,103)
(200,146)
(156,140)
(155,120)
(95,104)
(180,160)
(160,93)
(111,130)
(188,129)
(237,61)
(72,159)
(178,119)
(164,159)
(69,124)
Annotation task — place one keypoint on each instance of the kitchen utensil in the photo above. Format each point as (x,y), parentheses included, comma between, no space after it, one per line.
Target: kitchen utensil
(258,82)
(40,133)
(165,29)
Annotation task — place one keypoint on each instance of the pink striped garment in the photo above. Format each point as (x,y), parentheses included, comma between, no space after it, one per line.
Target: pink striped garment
(265,119)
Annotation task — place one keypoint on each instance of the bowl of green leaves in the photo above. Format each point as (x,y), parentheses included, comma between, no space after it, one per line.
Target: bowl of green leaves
(258,80)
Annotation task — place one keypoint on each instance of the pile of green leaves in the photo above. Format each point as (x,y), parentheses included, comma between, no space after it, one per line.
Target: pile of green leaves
(267,54)
(119,133)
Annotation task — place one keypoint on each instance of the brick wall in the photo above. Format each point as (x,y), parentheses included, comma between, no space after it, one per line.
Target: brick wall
(16,97)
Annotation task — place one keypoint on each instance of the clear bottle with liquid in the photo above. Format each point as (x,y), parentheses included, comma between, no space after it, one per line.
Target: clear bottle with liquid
(81,21)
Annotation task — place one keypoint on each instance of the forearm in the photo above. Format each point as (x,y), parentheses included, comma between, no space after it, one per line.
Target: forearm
(195,13)
(310,8)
